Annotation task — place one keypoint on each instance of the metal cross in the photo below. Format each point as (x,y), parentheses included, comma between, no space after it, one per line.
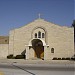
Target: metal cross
(39,15)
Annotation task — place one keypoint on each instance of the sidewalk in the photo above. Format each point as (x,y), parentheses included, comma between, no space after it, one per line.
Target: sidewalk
(22,61)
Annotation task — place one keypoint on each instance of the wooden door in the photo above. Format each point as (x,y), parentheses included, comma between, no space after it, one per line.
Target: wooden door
(39,52)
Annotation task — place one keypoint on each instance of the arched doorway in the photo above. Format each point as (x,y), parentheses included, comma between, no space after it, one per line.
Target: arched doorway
(38,47)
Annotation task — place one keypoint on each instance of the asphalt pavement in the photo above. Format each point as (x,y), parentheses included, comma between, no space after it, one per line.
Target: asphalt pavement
(37,69)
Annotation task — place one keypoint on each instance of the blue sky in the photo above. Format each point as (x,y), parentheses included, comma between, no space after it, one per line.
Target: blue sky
(16,13)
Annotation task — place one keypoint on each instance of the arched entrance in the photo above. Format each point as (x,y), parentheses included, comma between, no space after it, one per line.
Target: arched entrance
(38,47)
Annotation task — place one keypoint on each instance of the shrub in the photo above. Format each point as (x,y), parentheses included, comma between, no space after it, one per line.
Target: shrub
(67,58)
(13,57)
(10,56)
(63,58)
(55,58)
(20,57)
(73,59)
(59,58)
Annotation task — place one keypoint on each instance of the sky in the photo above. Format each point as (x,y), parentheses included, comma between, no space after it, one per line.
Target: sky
(17,13)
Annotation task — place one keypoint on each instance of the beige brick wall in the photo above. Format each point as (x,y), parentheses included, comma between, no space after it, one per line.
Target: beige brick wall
(62,40)
(11,41)
(3,50)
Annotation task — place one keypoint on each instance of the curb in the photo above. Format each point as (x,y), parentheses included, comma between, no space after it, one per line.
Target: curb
(1,73)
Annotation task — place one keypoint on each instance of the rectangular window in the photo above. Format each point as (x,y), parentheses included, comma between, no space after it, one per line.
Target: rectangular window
(35,35)
(43,35)
(39,34)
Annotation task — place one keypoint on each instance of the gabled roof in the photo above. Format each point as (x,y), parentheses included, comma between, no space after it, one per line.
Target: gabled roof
(45,21)
(40,20)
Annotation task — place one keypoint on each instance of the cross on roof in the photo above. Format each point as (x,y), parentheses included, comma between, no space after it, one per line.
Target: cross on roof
(39,15)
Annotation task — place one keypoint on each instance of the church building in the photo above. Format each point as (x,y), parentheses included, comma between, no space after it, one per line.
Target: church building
(39,39)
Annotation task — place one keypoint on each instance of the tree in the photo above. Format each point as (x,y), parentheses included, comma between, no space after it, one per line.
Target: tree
(73,24)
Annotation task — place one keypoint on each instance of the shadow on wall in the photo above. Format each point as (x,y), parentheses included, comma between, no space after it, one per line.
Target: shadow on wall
(24,52)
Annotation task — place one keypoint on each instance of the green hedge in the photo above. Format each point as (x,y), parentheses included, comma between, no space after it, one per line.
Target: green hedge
(68,58)
(20,57)
(10,56)
(16,57)
(73,59)
(55,58)
(63,58)
(59,59)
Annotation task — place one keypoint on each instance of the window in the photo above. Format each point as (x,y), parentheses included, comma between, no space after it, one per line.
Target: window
(35,35)
(52,50)
(43,35)
(39,34)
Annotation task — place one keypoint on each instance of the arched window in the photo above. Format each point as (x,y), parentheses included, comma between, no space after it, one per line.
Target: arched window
(39,34)
(43,35)
(35,35)
(52,50)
